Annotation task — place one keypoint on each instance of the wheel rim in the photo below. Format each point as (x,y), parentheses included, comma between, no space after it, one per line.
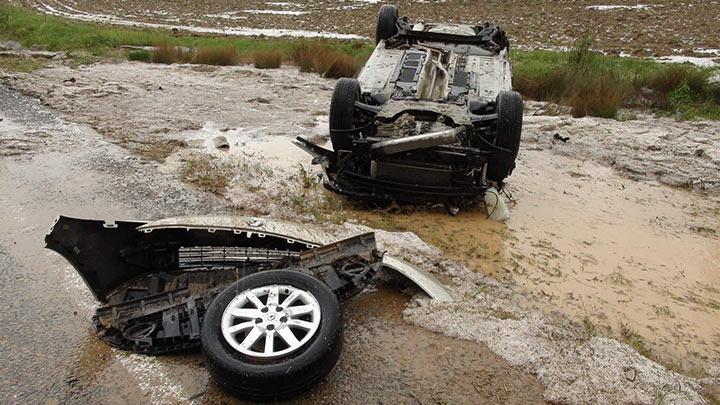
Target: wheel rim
(270,321)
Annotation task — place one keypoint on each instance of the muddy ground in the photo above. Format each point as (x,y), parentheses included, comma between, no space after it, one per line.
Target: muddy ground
(613,234)
(648,28)
(49,354)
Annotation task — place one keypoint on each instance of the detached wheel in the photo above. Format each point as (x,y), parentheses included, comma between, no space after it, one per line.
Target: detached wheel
(386,23)
(509,107)
(272,335)
(342,112)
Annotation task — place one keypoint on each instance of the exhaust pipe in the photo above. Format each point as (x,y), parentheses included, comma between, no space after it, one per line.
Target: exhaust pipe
(417,141)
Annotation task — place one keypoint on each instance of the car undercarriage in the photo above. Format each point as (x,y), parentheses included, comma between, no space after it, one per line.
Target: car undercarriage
(430,117)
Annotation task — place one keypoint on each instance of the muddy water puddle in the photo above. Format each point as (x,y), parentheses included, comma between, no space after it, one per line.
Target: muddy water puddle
(627,258)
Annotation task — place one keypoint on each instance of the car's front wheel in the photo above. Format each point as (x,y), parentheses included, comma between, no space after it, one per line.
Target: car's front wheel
(272,335)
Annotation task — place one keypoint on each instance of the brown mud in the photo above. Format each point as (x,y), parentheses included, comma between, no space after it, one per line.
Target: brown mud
(50,354)
(611,247)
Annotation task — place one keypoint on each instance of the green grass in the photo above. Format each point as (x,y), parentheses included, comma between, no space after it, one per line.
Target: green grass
(140,55)
(590,83)
(58,34)
(597,85)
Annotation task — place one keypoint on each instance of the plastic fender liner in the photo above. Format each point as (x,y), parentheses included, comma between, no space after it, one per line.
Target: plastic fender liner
(434,288)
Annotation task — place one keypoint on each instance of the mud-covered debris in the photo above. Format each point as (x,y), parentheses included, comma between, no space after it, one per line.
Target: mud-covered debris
(630,373)
(221,142)
(259,100)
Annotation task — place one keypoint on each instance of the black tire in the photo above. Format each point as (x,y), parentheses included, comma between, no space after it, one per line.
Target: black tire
(342,112)
(386,23)
(509,108)
(257,379)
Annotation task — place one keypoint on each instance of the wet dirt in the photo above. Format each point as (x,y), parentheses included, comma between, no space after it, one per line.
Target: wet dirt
(615,253)
(49,353)
(642,31)
(396,362)
(587,235)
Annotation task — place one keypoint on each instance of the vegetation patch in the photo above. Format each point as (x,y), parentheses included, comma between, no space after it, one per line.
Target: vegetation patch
(308,198)
(226,55)
(168,54)
(267,59)
(635,340)
(505,315)
(141,55)
(20,64)
(207,173)
(598,85)
(591,83)
(325,60)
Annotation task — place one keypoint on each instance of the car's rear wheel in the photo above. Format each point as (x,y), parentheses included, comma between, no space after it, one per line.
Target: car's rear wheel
(509,108)
(342,113)
(272,335)
(386,23)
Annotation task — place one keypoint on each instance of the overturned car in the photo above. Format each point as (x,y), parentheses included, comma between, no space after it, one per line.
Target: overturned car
(431,117)
(260,297)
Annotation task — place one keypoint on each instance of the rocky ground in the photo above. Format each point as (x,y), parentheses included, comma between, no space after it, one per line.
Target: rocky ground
(599,246)
(649,28)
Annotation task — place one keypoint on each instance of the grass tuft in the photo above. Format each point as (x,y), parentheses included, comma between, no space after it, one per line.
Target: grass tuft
(583,81)
(635,340)
(670,79)
(342,66)
(165,53)
(207,173)
(223,56)
(267,59)
(140,55)
(302,56)
(325,60)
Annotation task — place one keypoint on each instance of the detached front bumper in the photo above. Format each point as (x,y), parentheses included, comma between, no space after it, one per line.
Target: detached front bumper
(156,279)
